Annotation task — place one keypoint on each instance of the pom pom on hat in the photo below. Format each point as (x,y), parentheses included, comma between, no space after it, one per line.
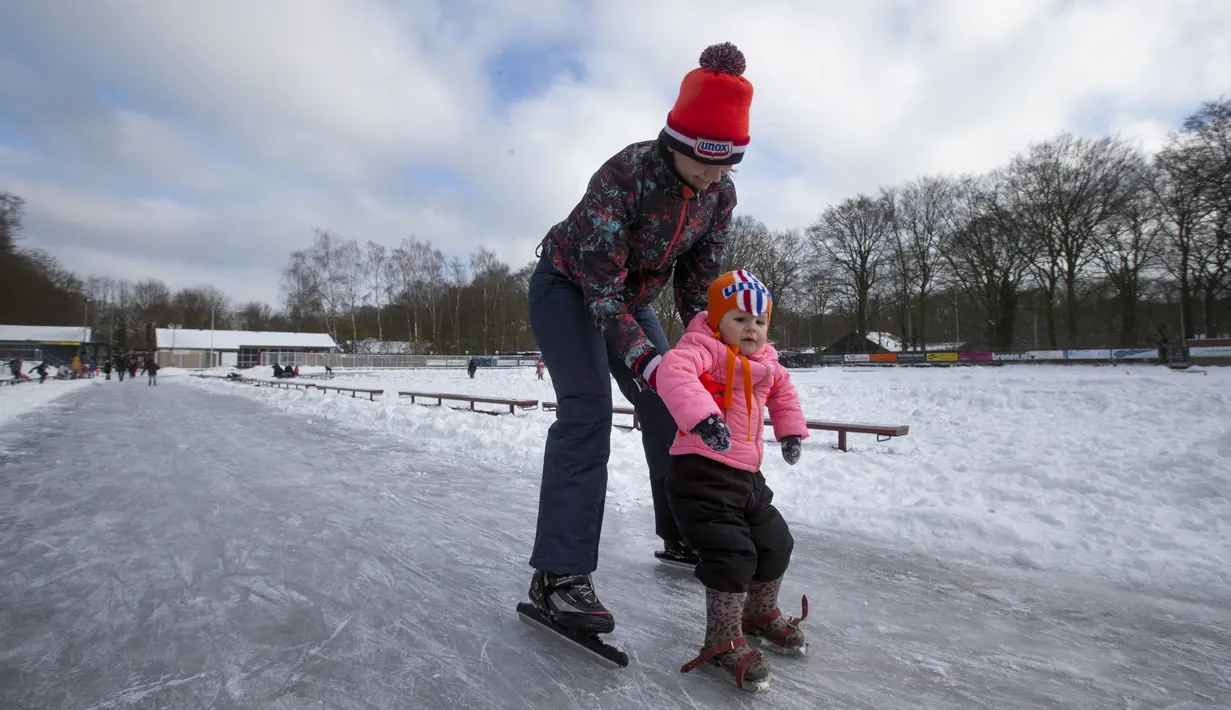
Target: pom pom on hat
(723,58)
(709,122)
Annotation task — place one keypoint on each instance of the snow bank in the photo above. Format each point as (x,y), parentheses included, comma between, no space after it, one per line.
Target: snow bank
(1121,472)
(19,400)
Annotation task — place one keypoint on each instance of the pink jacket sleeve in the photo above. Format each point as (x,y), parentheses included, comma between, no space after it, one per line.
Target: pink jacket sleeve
(785,411)
(679,383)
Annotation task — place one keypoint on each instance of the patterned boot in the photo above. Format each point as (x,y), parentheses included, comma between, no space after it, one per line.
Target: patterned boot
(726,649)
(766,626)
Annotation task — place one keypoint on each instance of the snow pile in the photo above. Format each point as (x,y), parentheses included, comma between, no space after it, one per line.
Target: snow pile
(17,401)
(1122,472)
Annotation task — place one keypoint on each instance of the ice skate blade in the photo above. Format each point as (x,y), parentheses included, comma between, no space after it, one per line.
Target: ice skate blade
(589,642)
(679,565)
(766,644)
(726,676)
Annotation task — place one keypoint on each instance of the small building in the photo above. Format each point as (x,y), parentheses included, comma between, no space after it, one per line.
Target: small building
(184,347)
(852,342)
(33,343)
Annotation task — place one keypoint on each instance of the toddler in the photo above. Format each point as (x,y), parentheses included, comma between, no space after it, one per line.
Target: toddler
(717,383)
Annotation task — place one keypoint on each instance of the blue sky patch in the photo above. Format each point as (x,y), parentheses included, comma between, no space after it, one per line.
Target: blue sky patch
(435,176)
(521,72)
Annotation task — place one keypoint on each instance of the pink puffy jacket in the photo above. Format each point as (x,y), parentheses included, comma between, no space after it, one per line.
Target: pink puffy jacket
(750,384)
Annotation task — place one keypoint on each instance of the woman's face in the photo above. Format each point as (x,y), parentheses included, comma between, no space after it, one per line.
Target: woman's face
(698,175)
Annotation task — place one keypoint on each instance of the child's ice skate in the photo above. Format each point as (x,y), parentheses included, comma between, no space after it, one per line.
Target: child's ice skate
(765,625)
(726,652)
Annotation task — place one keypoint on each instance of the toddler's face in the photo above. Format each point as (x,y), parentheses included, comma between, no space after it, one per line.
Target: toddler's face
(744,330)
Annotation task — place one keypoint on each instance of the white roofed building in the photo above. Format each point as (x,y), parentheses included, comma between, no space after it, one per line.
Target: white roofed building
(185,347)
(32,343)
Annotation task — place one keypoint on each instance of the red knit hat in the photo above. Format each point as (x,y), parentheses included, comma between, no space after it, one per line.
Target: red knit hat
(709,122)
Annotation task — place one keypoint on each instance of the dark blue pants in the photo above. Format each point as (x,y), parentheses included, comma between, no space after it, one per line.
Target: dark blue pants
(574,488)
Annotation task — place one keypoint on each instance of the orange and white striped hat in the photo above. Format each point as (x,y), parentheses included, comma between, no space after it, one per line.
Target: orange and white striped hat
(738,290)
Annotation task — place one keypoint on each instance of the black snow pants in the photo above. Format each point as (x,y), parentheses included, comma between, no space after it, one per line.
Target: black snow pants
(727,516)
(574,488)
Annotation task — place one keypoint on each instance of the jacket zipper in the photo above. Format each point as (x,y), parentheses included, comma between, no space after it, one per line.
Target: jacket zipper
(688,194)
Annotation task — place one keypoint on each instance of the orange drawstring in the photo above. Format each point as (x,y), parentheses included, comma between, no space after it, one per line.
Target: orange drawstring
(728,397)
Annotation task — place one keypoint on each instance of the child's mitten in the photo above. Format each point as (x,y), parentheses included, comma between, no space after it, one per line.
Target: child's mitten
(714,432)
(791,447)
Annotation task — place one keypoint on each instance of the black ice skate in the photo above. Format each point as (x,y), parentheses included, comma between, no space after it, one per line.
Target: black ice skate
(678,555)
(567,605)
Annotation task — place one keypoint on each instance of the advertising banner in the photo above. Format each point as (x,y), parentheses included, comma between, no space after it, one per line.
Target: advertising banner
(1008,357)
(884,357)
(1087,354)
(910,357)
(1135,354)
(1213,351)
(1044,354)
(857,357)
(975,357)
(942,357)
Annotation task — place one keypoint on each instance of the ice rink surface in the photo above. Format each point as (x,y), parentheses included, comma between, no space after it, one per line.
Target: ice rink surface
(184,547)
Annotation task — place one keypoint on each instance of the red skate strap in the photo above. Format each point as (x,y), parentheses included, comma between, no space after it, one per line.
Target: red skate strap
(792,622)
(720,648)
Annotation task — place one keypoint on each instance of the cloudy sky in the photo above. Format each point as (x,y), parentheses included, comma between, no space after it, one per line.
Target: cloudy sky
(200,141)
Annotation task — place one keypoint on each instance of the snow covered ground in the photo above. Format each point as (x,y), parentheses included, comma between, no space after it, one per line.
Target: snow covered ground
(1121,473)
(18,401)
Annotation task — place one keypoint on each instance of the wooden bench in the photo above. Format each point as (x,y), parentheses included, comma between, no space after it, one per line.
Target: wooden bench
(371,393)
(881,431)
(282,384)
(472,399)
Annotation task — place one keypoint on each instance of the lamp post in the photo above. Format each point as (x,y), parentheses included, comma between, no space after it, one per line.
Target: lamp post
(174,327)
(211,335)
(85,326)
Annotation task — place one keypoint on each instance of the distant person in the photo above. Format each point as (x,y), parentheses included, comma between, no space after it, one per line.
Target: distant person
(15,368)
(472,367)
(277,371)
(151,368)
(41,369)
(107,368)
(538,369)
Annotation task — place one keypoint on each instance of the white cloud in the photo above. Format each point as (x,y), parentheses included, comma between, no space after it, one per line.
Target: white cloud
(250,124)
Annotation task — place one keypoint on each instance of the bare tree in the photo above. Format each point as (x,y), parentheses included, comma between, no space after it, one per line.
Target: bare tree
(987,254)
(12,210)
(922,215)
(458,282)
(855,237)
(488,275)
(1062,192)
(254,315)
(376,271)
(346,278)
(1127,247)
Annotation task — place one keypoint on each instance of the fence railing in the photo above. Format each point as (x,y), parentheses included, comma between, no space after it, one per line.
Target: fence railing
(1086,355)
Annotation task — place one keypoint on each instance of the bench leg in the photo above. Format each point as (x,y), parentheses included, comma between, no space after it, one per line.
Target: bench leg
(842,440)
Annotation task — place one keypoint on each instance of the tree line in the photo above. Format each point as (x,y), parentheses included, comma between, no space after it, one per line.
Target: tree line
(1075,242)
